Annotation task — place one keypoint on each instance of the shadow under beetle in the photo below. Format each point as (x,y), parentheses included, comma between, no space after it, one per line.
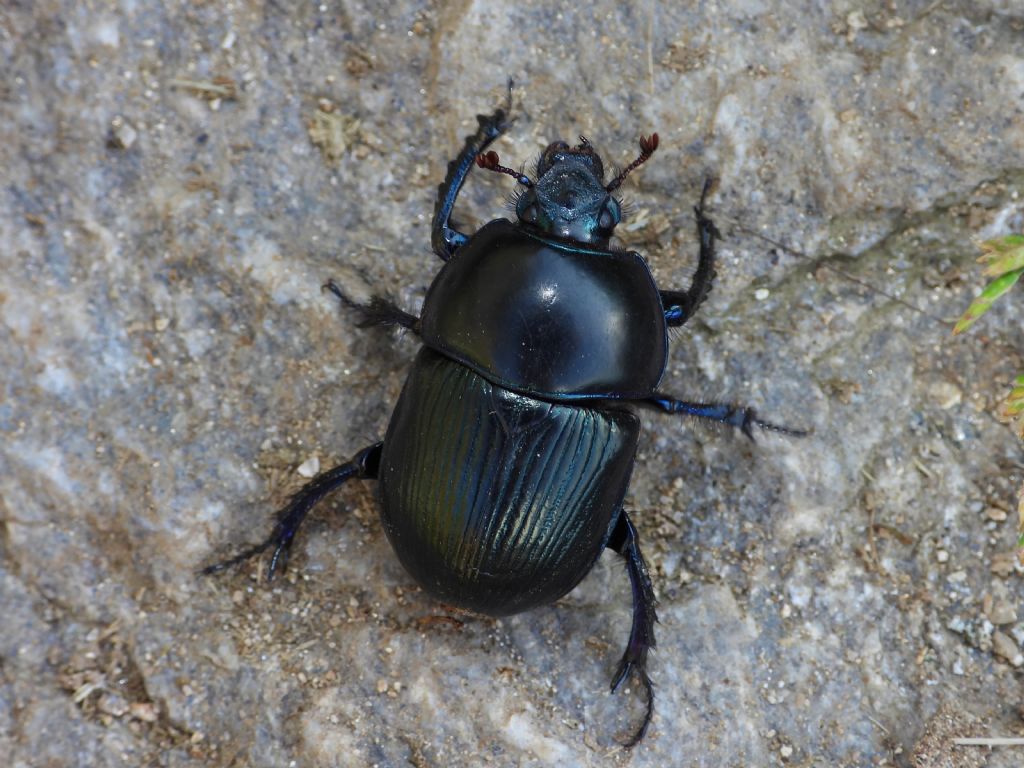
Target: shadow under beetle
(504,466)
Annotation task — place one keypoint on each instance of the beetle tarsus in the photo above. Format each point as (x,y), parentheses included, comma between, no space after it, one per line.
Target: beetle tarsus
(743,418)
(378,311)
(363,466)
(281,539)
(239,558)
(624,670)
(641,637)
(746,419)
(768,426)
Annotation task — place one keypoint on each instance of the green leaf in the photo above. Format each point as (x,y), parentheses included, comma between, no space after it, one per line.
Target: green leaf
(1002,244)
(1011,409)
(1013,406)
(1002,255)
(984,302)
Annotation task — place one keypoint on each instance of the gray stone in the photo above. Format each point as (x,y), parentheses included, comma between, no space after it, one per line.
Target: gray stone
(169,361)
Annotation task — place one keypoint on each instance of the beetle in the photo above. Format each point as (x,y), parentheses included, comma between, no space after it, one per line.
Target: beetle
(507,458)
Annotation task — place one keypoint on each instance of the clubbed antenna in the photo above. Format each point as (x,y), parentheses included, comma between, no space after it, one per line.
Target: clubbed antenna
(647,146)
(490,161)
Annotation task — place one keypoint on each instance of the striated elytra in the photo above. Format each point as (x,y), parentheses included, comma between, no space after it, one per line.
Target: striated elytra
(507,458)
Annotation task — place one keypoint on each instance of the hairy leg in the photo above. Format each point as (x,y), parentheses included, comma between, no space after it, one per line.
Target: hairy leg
(377,311)
(443,238)
(641,637)
(363,466)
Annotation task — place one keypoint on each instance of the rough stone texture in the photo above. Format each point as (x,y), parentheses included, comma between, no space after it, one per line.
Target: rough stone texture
(948,723)
(168,361)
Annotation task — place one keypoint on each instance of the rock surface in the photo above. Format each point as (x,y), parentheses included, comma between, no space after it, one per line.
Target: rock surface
(178,179)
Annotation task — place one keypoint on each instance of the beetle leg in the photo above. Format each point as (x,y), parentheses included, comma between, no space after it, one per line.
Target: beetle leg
(744,418)
(641,637)
(377,311)
(363,466)
(443,238)
(680,306)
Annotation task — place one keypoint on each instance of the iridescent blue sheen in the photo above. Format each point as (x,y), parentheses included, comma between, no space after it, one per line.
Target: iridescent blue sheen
(496,501)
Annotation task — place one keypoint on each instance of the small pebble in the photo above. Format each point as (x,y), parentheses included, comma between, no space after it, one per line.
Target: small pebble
(122,134)
(1004,646)
(1002,612)
(144,710)
(1003,564)
(310,467)
(946,394)
(115,705)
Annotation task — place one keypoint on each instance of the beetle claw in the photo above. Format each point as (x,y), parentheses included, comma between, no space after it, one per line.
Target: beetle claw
(209,570)
(749,420)
(767,426)
(621,673)
(626,666)
(280,556)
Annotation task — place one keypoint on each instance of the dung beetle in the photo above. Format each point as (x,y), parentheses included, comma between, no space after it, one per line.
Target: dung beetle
(505,464)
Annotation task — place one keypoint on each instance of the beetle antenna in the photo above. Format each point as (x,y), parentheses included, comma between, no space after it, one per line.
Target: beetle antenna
(647,146)
(490,161)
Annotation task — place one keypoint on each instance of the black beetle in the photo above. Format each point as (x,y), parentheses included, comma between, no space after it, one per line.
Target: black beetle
(505,464)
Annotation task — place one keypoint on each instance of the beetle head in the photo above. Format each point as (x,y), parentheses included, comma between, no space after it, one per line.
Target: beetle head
(569,199)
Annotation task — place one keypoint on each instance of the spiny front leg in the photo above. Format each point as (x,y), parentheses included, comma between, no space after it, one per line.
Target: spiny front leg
(443,238)
(641,637)
(680,306)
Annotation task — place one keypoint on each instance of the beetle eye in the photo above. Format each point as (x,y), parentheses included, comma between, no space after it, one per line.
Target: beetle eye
(610,216)
(529,214)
